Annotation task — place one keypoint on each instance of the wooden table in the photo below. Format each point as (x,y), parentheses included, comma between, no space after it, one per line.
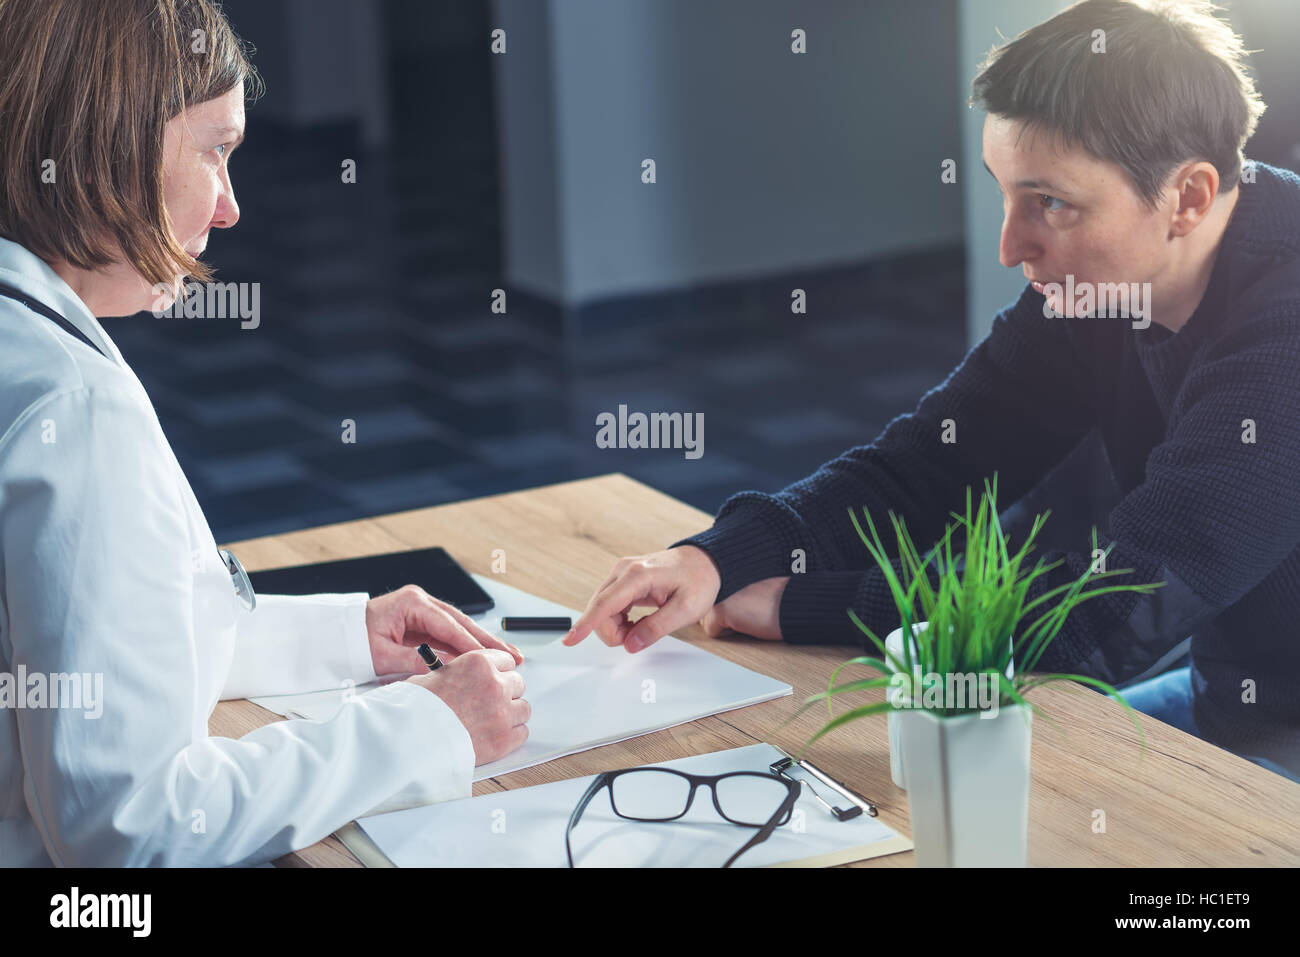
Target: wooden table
(1185,803)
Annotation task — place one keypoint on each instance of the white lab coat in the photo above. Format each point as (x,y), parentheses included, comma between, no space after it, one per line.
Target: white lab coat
(108,567)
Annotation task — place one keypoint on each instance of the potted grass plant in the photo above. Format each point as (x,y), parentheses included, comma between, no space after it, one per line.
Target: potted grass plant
(960,721)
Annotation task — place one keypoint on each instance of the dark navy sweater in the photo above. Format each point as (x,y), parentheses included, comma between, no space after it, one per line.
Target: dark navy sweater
(1213,516)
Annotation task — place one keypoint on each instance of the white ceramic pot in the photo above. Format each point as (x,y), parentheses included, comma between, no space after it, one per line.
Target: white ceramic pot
(968,786)
(894,643)
(966,777)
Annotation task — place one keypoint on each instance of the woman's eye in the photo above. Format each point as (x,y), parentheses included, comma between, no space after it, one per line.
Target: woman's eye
(1049,200)
(222,149)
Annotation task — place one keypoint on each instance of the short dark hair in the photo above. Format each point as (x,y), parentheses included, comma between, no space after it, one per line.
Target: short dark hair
(1171,86)
(91,85)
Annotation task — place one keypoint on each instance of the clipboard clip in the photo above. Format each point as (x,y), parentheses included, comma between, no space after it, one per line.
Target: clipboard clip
(786,768)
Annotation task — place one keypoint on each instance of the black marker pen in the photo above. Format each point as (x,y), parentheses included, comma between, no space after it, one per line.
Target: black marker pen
(536,624)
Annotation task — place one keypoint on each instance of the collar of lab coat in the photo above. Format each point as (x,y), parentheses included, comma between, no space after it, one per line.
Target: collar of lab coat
(26,271)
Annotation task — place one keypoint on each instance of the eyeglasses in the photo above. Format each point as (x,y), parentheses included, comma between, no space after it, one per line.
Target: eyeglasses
(747,798)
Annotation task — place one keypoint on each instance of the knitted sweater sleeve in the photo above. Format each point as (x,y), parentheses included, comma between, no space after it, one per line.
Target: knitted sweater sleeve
(1017,404)
(1215,515)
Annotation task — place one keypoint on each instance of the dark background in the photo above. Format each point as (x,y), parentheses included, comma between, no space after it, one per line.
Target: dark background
(375,295)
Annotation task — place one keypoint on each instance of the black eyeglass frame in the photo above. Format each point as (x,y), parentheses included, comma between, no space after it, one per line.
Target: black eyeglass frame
(606,780)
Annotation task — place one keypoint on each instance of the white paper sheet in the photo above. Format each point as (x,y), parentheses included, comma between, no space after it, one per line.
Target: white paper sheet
(589,695)
(525,827)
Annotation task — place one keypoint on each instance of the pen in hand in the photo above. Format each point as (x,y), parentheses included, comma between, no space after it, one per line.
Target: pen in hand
(430,657)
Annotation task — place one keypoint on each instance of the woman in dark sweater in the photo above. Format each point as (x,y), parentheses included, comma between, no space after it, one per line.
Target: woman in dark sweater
(1115,135)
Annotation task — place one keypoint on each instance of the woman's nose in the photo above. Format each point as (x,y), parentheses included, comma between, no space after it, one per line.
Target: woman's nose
(227,212)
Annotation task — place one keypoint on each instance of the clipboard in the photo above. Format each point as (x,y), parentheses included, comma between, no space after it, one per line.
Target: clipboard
(463,833)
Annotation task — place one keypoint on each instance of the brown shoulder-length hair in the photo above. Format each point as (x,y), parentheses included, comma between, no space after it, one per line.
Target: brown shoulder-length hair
(90,85)
(1145,84)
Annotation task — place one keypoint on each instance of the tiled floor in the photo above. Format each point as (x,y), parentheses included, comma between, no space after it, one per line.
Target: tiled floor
(372,311)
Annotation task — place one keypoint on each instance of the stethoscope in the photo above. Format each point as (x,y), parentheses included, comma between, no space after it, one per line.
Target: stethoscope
(239,578)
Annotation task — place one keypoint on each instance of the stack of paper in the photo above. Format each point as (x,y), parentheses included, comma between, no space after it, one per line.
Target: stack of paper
(591,694)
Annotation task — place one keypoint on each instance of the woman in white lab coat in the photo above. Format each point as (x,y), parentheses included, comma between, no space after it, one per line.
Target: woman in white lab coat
(119,625)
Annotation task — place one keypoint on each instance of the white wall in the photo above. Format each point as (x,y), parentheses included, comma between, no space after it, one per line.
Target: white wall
(323,61)
(990,286)
(527,154)
(338,65)
(767,160)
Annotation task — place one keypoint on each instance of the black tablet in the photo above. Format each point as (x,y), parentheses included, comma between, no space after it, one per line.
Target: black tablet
(431,568)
